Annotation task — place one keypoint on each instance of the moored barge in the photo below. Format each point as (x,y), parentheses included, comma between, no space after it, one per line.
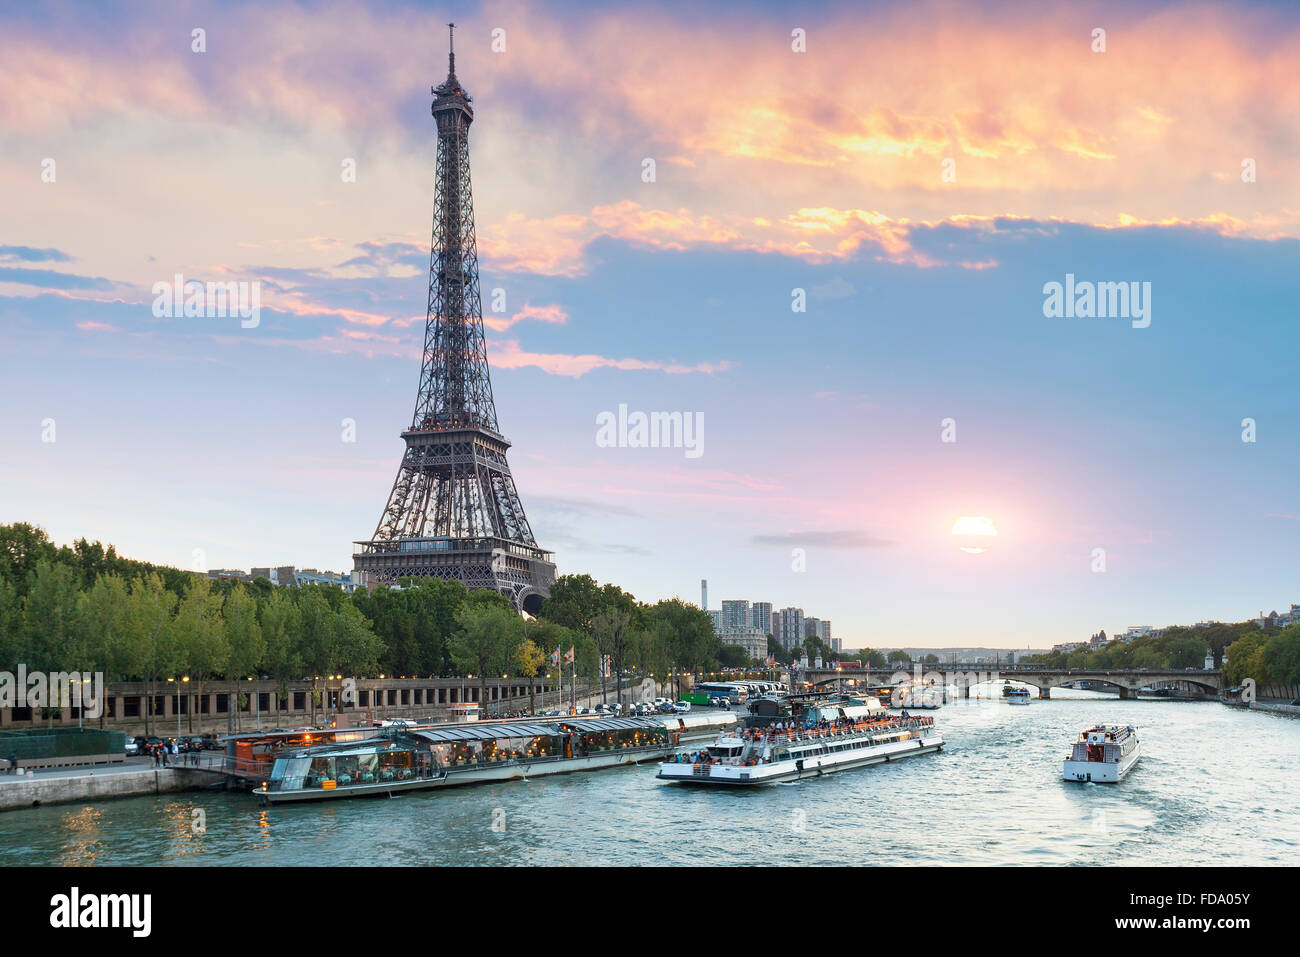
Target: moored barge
(397,760)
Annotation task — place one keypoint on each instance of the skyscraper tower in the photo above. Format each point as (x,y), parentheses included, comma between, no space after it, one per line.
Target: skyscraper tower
(454,511)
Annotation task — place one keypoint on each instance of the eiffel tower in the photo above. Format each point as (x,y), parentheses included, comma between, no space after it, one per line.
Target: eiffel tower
(454,511)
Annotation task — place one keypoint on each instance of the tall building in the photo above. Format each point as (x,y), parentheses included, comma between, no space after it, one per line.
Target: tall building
(735,615)
(454,511)
(760,616)
(716,615)
(704,593)
(790,623)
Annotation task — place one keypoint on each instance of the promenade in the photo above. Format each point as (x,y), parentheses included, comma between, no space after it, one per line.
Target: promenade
(133,777)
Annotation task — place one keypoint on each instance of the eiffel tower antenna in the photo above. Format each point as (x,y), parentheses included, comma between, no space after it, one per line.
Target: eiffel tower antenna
(454,511)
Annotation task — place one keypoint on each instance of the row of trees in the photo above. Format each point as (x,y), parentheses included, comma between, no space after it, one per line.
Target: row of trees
(1176,647)
(84,608)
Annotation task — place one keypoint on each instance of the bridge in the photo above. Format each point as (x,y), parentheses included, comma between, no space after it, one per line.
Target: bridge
(964,675)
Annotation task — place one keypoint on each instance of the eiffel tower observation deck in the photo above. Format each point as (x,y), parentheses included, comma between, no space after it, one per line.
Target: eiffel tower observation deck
(454,511)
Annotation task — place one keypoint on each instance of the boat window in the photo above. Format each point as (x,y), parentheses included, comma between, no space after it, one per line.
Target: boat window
(290,773)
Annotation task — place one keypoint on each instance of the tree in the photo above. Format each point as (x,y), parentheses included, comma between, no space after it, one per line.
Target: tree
(151,651)
(281,624)
(22,546)
(11,619)
(574,602)
(778,651)
(898,658)
(102,628)
(1246,660)
(733,656)
(200,637)
(612,632)
(246,647)
(687,628)
(871,658)
(484,629)
(529,660)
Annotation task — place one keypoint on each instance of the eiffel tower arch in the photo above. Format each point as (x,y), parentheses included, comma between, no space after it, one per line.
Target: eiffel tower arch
(454,511)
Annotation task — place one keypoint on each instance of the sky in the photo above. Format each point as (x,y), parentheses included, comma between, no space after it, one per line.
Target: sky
(838,271)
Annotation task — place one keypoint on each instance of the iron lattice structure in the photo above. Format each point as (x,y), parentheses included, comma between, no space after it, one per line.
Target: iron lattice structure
(454,511)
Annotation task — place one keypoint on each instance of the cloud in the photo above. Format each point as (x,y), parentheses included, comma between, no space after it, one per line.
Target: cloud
(508,354)
(848,538)
(29,254)
(552,314)
(49,279)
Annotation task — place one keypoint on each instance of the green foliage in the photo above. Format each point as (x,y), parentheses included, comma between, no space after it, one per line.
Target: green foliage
(778,651)
(1265,659)
(1175,647)
(733,656)
(872,658)
(85,607)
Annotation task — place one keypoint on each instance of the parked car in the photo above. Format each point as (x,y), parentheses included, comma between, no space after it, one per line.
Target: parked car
(132,747)
(682,707)
(211,742)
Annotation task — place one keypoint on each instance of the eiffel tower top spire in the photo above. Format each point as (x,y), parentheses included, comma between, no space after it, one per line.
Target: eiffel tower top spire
(450,88)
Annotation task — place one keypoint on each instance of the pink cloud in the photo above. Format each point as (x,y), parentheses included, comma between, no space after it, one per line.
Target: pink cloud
(553,314)
(507,354)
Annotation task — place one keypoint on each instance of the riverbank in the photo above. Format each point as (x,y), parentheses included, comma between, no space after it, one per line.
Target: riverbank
(130,779)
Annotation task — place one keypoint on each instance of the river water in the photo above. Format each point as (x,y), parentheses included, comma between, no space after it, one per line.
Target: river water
(1215,785)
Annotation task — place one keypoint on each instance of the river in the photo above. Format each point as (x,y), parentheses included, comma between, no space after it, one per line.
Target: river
(1215,785)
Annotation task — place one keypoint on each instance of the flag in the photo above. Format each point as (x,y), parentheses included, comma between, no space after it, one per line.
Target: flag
(555,656)
(568,656)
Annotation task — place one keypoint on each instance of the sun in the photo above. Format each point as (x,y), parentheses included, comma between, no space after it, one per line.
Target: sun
(971,531)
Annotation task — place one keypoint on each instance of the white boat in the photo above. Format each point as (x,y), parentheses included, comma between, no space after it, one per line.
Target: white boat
(1018,696)
(765,755)
(1104,753)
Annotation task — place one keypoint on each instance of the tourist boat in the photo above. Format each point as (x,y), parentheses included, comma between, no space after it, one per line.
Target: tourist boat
(1104,753)
(397,760)
(761,755)
(1017,696)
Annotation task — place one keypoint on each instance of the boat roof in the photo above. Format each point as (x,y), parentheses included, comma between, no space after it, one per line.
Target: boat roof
(529,729)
